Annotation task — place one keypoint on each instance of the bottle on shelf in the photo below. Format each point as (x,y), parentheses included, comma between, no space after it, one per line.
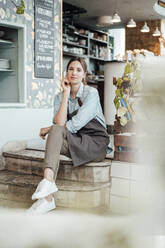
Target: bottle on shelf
(107,54)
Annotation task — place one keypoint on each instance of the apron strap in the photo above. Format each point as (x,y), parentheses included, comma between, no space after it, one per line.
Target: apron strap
(80,102)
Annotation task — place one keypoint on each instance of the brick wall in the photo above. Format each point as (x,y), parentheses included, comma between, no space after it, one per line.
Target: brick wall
(138,40)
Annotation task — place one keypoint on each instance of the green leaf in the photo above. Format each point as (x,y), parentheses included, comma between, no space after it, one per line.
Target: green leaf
(117,105)
(22,4)
(119,82)
(119,92)
(116,102)
(128,69)
(20,11)
(21,8)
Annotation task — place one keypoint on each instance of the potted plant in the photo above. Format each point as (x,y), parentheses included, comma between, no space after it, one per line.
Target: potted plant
(20,7)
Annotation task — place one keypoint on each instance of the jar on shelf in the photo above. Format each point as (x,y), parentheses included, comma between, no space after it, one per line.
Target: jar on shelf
(91,34)
(107,53)
(104,37)
(65,48)
(82,42)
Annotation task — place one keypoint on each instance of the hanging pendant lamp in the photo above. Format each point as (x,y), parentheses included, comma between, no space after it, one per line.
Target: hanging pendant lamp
(156,32)
(145,28)
(131,23)
(116,18)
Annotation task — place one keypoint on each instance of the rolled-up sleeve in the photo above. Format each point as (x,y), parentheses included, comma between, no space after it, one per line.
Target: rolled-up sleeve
(57,103)
(85,113)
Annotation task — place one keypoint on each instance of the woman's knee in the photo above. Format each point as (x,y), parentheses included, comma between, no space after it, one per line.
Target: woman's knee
(56,127)
(57,130)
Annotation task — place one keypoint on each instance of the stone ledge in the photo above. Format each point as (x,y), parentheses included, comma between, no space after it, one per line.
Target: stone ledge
(35,155)
(16,190)
(32,163)
(66,172)
(19,179)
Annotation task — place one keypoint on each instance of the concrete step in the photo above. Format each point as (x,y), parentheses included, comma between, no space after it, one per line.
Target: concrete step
(30,162)
(16,190)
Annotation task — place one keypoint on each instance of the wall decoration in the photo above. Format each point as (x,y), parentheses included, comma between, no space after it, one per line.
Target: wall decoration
(44,38)
(19,6)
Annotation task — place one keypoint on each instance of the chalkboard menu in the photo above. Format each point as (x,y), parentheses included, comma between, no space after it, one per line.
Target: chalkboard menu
(44,38)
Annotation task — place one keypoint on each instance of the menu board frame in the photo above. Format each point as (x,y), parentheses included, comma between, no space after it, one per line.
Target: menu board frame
(44,39)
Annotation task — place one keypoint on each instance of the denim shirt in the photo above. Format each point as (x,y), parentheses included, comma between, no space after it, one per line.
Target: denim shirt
(90,109)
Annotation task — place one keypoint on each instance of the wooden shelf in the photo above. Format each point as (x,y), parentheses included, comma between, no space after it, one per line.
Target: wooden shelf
(74,54)
(100,41)
(74,44)
(90,42)
(81,35)
(91,57)
(7,43)
(95,81)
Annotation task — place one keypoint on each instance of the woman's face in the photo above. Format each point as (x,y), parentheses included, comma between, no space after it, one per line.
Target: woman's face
(75,73)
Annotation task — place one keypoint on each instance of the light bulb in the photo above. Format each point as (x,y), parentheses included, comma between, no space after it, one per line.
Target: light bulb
(156,32)
(116,18)
(145,28)
(131,23)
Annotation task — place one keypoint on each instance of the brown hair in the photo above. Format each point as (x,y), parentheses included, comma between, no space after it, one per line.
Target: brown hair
(82,62)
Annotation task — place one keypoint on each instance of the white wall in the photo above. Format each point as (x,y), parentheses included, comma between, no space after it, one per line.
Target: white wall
(119,41)
(18,124)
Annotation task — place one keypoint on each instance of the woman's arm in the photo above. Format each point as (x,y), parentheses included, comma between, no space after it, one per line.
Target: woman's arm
(61,116)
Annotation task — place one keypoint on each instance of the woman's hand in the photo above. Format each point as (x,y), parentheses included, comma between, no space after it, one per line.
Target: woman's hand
(66,86)
(44,131)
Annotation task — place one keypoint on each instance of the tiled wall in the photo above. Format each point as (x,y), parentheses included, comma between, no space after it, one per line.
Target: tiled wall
(138,40)
(131,189)
(40,92)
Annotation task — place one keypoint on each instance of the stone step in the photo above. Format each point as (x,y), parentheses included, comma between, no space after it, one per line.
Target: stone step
(31,162)
(16,190)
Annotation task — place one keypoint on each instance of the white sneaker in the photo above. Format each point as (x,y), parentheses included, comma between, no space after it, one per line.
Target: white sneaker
(44,188)
(42,206)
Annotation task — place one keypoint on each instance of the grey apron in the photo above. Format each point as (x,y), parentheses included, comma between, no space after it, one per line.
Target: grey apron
(89,143)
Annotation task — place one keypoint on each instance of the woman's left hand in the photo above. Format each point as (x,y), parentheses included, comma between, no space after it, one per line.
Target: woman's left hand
(66,86)
(44,131)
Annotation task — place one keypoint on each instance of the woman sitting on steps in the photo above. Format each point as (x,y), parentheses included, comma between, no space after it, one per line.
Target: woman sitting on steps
(79,132)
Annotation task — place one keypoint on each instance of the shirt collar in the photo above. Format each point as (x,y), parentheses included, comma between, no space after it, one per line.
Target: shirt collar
(79,92)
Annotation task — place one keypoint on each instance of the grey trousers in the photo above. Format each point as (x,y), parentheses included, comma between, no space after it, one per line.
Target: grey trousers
(57,144)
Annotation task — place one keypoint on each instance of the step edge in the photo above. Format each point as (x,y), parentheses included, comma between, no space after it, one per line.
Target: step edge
(62,162)
(96,186)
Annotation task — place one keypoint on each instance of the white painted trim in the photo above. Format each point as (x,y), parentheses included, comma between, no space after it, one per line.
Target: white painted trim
(15,25)
(23,88)
(12,105)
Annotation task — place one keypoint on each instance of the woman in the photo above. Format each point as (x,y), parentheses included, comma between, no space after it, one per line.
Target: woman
(79,132)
